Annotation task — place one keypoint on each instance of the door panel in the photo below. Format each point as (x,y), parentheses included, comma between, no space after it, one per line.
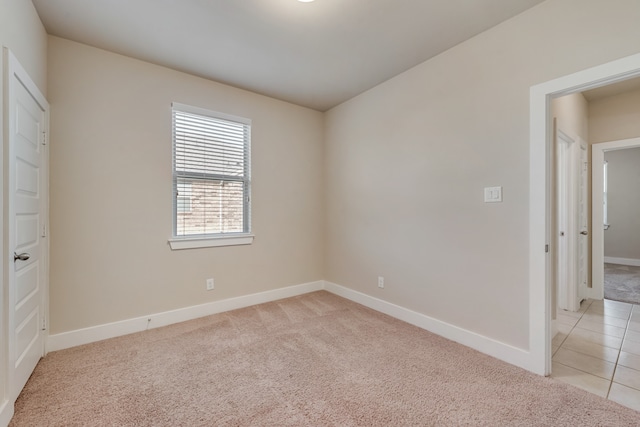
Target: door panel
(26,232)
(26,284)
(27,177)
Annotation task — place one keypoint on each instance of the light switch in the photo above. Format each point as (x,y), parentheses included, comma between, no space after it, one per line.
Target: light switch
(492,194)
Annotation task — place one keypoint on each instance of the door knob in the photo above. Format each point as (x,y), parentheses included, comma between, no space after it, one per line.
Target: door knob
(22,257)
(584,233)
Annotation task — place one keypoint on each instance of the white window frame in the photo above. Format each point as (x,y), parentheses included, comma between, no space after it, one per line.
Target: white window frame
(214,239)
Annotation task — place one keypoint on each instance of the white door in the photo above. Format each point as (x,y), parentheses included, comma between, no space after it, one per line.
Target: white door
(583,225)
(566,243)
(27,199)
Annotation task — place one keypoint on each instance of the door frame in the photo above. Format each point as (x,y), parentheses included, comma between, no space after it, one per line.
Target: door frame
(12,68)
(583,222)
(540,193)
(566,215)
(6,407)
(597,196)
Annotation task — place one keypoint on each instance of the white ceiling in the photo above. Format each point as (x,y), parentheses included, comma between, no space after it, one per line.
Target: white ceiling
(315,54)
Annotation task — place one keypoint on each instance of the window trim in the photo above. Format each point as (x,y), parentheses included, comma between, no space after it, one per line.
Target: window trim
(211,242)
(177,242)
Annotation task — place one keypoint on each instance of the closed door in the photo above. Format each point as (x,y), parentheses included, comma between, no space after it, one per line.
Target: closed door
(27,203)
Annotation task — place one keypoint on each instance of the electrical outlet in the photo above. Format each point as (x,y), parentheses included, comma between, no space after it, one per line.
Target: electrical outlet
(380,282)
(210,285)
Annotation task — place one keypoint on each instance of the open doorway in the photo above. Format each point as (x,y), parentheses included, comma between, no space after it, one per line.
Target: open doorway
(616,206)
(600,330)
(541,203)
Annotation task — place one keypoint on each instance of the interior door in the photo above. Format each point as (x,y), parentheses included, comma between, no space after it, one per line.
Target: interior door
(583,225)
(566,201)
(27,200)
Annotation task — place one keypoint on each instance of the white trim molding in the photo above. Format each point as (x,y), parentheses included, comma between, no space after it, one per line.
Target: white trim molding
(111,330)
(210,242)
(622,261)
(483,344)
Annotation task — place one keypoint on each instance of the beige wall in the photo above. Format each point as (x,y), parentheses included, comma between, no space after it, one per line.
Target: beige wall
(572,112)
(622,239)
(614,118)
(611,119)
(407,162)
(111,191)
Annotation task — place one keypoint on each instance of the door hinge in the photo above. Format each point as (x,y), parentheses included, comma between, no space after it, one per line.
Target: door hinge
(44,230)
(546,248)
(44,138)
(44,324)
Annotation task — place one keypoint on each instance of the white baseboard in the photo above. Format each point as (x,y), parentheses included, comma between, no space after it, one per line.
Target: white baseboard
(483,344)
(157,320)
(6,413)
(623,261)
(592,293)
(486,345)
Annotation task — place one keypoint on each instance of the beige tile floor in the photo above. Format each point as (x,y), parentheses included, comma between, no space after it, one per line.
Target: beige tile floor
(598,350)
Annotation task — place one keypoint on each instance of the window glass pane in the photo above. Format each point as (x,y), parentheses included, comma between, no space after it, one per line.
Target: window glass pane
(215,207)
(183,201)
(211,174)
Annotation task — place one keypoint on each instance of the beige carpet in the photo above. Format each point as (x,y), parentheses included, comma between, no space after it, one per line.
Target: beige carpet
(314,360)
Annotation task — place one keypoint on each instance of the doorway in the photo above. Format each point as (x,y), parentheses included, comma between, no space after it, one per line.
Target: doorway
(540,201)
(601,224)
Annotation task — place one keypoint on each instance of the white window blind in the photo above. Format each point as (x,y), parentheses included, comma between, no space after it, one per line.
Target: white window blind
(211,173)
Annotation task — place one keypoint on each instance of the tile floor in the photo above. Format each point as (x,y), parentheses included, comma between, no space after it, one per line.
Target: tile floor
(598,350)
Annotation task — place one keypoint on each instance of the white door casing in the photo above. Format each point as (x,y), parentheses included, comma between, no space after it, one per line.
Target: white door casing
(26,201)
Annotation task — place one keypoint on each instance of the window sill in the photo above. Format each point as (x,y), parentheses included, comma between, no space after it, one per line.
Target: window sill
(210,242)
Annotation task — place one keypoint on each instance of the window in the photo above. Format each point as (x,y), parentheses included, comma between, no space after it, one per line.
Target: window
(211,178)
